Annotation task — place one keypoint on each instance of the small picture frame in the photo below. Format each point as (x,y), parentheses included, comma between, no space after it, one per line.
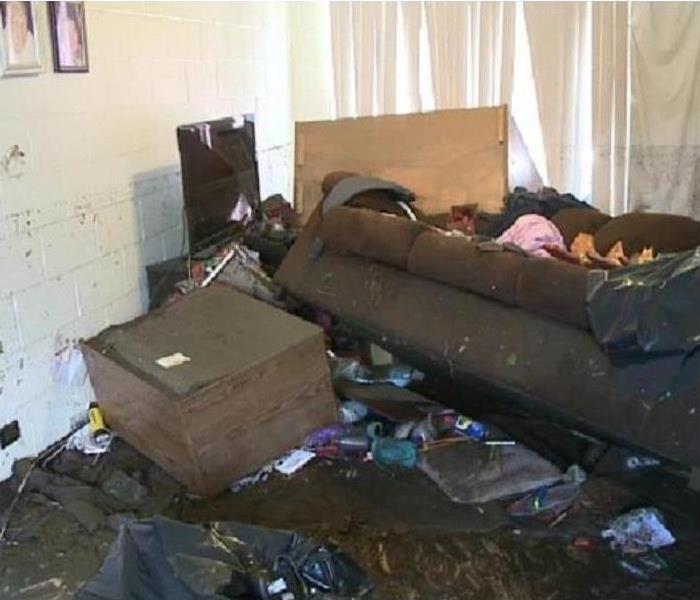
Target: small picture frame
(68,37)
(20,51)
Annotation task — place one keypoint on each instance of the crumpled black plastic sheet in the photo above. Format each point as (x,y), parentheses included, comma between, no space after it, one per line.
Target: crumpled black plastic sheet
(162,559)
(547,202)
(647,310)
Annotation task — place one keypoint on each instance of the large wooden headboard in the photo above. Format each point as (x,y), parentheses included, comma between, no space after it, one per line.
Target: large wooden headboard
(446,157)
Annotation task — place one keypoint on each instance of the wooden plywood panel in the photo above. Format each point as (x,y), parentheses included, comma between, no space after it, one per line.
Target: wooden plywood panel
(446,157)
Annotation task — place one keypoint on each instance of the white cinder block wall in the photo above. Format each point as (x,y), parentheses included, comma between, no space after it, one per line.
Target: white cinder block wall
(99,196)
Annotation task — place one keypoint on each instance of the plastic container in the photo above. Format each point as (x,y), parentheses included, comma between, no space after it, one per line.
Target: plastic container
(352,411)
(472,429)
(424,432)
(353,445)
(388,452)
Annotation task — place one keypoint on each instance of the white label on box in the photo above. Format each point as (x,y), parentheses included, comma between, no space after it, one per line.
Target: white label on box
(172,360)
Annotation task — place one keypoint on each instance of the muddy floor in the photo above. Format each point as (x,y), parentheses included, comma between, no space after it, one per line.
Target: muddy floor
(413,542)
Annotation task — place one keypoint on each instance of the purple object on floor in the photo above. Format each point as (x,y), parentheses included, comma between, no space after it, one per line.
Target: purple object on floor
(325,436)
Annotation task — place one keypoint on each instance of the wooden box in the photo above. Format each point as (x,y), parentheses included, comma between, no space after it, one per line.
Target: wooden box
(256,383)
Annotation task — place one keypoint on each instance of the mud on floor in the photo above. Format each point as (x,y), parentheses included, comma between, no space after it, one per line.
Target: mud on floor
(411,539)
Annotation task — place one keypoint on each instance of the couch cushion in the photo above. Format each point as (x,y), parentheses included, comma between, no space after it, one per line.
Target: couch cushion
(555,289)
(454,260)
(572,221)
(665,233)
(382,237)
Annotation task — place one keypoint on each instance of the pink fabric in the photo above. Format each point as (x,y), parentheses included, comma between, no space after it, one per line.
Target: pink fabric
(531,233)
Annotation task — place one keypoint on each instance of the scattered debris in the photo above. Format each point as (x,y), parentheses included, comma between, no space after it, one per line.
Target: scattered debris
(46,588)
(218,268)
(243,211)
(67,366)
(638,531)
(475,473)
(227,559)
(388,453)
(80,501)
(125,490)
(20,489)
(325,436)
(86,442)
(260,476)
(25,470)
(278,213)
(353,370)
(288,464)
(641,462)
(245,273)
(546,503)
(643,566)
(584,543)
(293,461)
(383,559)
(352,411)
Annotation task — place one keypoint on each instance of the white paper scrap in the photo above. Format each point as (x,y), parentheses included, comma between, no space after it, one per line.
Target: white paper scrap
(172,360)
(293,461)
(277,586)
(84,441)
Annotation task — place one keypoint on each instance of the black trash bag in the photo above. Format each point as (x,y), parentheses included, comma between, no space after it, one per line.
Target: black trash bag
(161,559)
(547,202)
(647,310)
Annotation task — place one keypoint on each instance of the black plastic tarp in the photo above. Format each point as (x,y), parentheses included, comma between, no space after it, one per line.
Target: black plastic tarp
(547,203)
(648,310)
(162,559)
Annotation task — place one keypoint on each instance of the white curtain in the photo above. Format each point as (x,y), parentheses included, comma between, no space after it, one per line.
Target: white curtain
(471,52)
(343,60)
(496,48)
(665,121)
(450,57)
(559,35)
(411,18)
(364,57)
(616,84)
(609,112)
(470,49)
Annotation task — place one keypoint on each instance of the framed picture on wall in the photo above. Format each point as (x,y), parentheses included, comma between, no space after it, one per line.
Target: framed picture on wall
(20,52)
(68,37)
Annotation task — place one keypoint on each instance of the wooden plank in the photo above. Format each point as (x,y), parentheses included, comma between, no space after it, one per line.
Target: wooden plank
(446,157)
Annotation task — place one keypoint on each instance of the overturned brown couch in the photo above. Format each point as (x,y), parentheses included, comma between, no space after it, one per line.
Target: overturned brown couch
(500,321)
